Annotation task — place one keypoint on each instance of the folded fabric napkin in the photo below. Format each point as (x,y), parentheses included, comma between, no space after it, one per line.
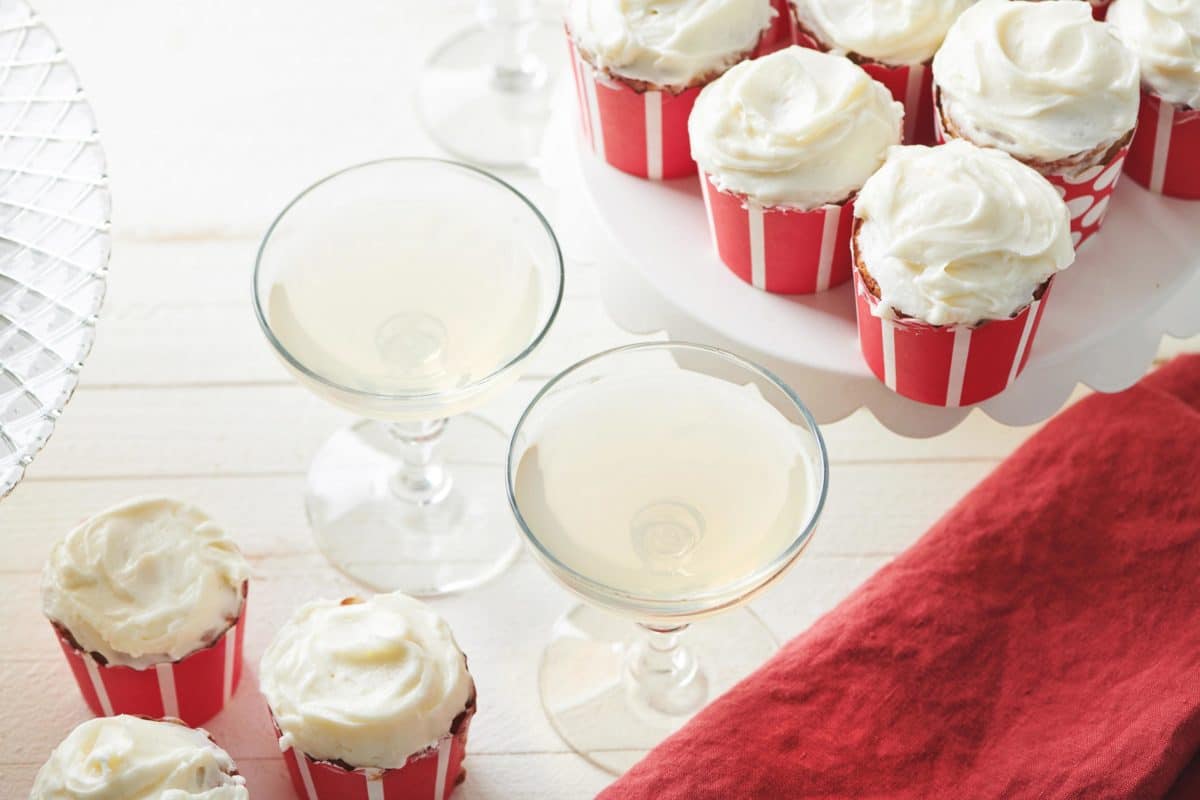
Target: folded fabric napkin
(1041,641)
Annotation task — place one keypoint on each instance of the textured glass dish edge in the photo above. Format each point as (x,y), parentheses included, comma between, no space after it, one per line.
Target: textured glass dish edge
(55,211)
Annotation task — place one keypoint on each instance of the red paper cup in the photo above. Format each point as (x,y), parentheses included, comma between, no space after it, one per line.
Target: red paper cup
(433,773)
(911,86)
(1086,193)
(192,689)
(1100,8)
(642,133)
(945,365)
(780,250)
(779,35)
(1165,153)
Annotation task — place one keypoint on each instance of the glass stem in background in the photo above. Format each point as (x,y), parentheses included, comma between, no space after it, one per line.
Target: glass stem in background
(422,478)
(515,70)
(663,673)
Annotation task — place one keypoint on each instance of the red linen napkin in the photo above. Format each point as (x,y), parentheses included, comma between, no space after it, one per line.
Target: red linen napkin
(1041,641)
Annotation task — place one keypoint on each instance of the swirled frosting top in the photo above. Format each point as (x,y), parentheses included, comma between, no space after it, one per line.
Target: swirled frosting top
(149,580)
(668,43)
(959,234)
(368,682)
(1043,81)
(797,128)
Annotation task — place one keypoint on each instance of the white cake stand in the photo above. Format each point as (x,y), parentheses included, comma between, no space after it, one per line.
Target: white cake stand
(54,235)
(1134,282)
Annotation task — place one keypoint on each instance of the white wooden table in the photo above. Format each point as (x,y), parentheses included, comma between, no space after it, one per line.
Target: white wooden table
(214,115)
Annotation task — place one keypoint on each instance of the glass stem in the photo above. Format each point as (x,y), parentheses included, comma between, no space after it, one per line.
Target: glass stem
(664,674)
(422,478)
(514,70)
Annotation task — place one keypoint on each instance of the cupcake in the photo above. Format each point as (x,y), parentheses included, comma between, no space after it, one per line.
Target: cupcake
(371,698)
(1050,86)
(784,142)
(133,758)
(893,41)
(955,248)
(1165,36)
(146,599)
(639,65)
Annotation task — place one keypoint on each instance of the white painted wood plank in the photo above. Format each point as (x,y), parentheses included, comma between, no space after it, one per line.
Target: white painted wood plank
(276,429)
(179,312)
(869,511)
(182,343)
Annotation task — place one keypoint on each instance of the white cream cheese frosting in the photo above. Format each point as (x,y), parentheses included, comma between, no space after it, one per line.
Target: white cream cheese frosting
(669,43)
(797,128)
(371,682)
(1165,34)
(147,581)
(130,758)
(958,234)
(1043,81)
(892,32)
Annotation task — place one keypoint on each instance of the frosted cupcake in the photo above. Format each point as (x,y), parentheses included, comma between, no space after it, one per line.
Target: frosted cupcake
(371,698)
(784,142)
(955,248)
(1047,84)
(639,65)
(146,599)
(131,758)
(894,40)
(1165,35)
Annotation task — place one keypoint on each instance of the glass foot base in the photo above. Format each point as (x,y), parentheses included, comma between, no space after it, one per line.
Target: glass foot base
(388,543)
(589,697)
(482,115)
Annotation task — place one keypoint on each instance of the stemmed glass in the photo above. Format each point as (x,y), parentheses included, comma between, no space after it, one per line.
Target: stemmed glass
(665,484)
(484,94)
(409,291)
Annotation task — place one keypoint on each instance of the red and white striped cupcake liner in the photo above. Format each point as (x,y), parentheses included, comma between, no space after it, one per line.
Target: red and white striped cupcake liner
(777,249)
(910,85)
(1165,153)
(779,35)
(945,365)
(1087,193)
(432,774)
(645,133)
(192,689)
(642,133)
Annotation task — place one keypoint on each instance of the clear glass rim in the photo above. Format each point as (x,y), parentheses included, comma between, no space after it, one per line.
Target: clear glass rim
(726,594)
(419,397)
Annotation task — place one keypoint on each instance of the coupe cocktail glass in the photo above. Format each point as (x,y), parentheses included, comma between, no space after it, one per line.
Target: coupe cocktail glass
(410,291)
(484,94)
(665,484)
